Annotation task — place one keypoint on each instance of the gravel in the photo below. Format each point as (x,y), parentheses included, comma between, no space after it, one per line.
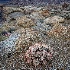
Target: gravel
(8,45)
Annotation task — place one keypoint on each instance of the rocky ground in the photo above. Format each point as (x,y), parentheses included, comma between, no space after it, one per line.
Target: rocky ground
(24,27)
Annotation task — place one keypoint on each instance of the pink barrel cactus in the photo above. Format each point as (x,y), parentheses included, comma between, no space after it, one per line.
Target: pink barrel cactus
(39,54)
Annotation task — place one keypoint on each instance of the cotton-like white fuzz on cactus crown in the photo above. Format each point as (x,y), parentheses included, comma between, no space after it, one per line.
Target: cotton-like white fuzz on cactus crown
(39,54)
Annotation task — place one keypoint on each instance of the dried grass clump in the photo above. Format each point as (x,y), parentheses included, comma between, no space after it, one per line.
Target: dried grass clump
(25,22)
(54,20)
(28,37)
(58,30)
(45,13)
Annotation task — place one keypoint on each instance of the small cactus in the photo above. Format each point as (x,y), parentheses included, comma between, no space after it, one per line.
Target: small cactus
(38,54)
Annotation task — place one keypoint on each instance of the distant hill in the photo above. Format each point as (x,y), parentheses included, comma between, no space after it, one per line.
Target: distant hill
(32,1)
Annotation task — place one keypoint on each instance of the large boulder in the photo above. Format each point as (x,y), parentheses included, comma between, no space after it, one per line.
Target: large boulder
(54,19)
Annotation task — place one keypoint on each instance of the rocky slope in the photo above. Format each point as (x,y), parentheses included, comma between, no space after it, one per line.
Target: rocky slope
(29,28)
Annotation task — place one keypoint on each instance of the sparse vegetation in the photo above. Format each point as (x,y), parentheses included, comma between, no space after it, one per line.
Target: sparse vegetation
(36,38)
